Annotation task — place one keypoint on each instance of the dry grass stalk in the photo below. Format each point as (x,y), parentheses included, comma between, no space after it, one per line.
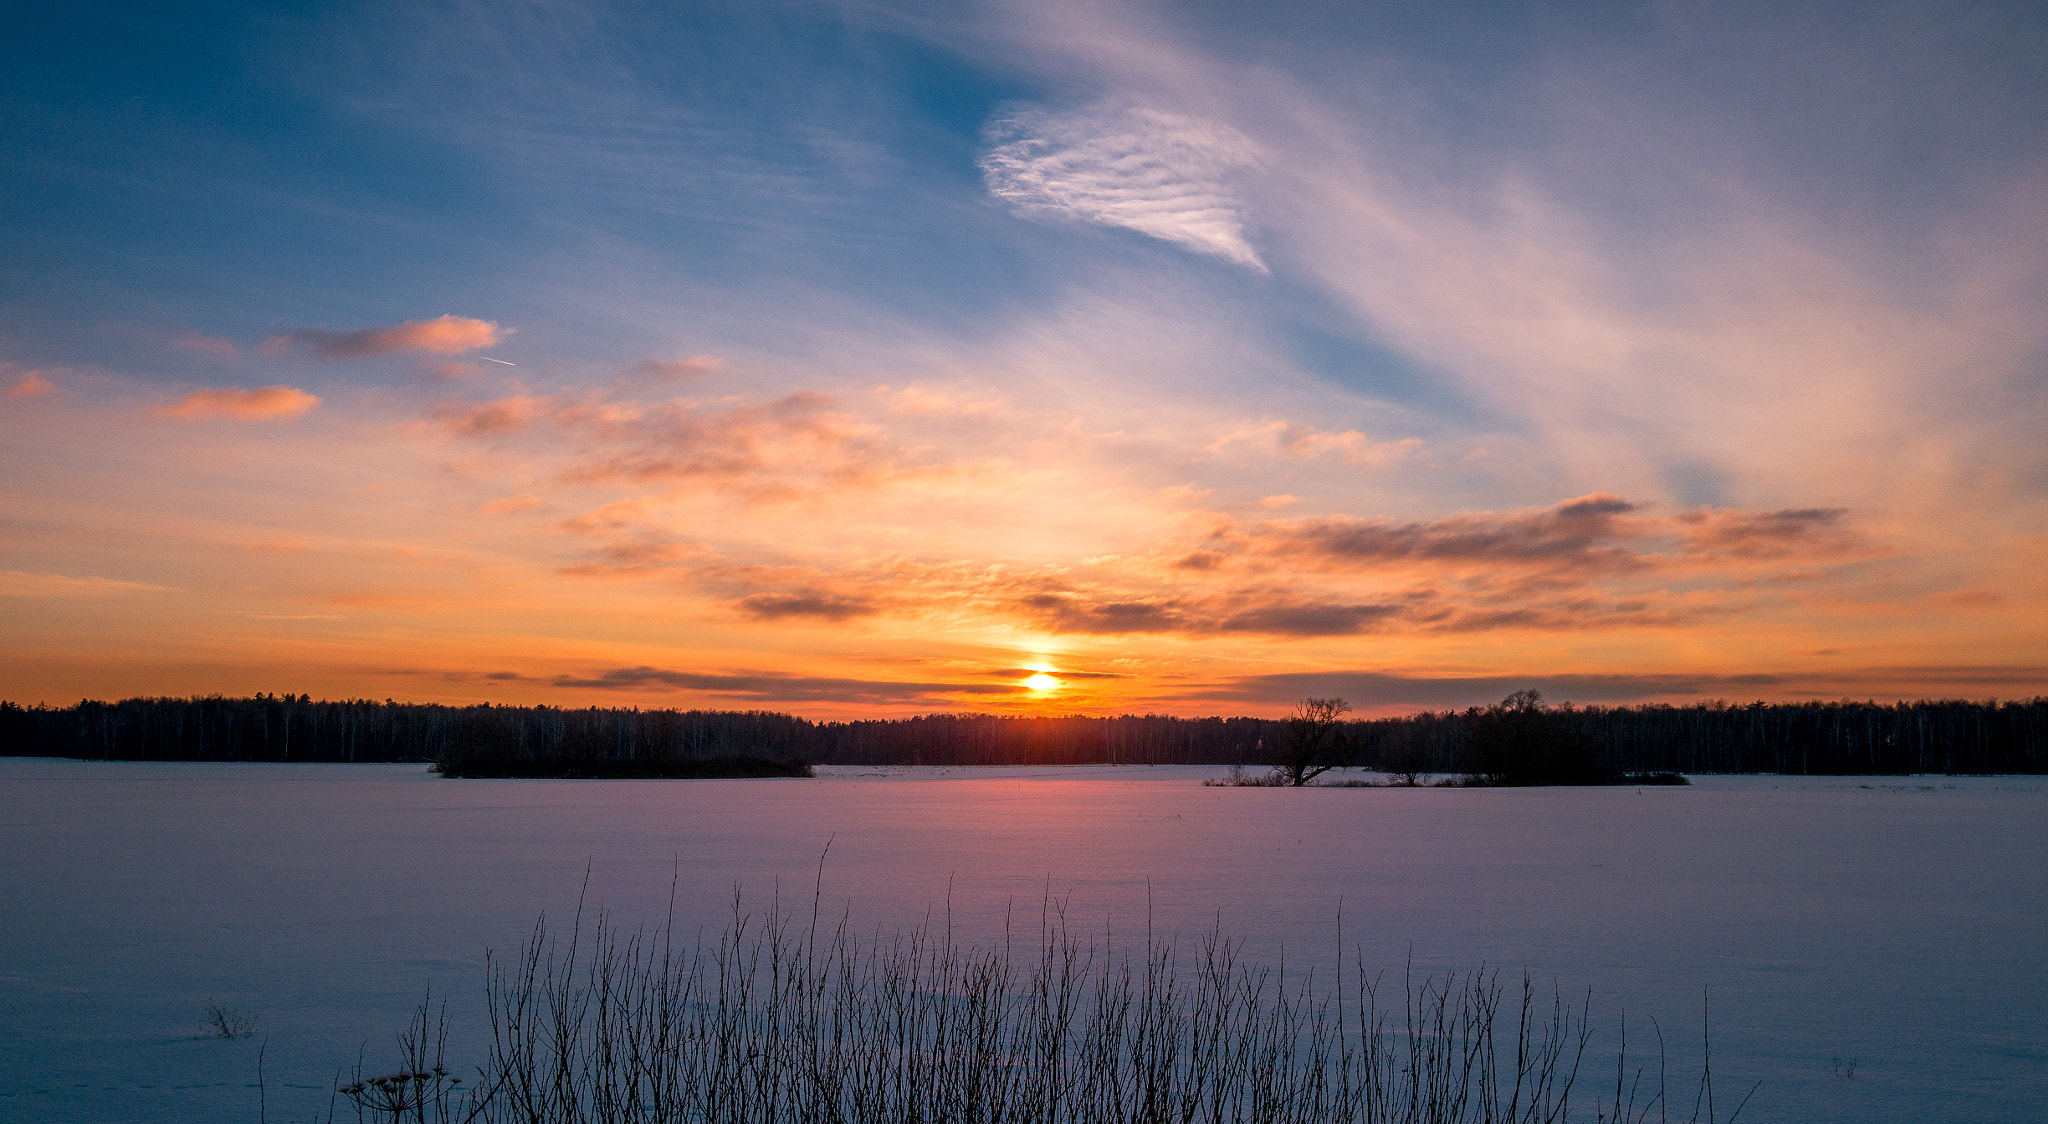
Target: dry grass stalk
(771,1023)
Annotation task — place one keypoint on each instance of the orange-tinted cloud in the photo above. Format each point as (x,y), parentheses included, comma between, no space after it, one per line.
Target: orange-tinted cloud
(1350,446)
(1279,612)
(511,505)
(1595,563)
(32,385)
(506,415)
(675,368)
(443,335)
(20,583)
(752,449)
(918,401)
(261,404)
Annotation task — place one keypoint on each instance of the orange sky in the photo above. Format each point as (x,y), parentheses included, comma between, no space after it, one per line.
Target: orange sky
(527,363)
(647,540)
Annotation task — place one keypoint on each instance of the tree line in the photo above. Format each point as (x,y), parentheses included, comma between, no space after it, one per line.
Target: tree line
(1519,740)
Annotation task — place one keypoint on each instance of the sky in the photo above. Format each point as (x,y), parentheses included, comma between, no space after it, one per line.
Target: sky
(865,359)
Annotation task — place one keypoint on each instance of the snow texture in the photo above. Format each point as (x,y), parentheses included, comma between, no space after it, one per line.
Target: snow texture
(1893,921)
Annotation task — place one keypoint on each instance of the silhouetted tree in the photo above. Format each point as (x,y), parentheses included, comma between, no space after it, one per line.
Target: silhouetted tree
(1405,757)
(1519,741)
(1311,750)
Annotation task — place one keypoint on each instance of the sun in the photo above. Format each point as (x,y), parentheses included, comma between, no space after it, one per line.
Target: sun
(1041,682)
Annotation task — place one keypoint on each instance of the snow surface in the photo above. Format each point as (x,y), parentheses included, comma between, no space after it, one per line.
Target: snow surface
(1898,922)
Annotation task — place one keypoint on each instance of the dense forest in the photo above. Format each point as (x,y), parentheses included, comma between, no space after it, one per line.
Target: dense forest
(1517,741)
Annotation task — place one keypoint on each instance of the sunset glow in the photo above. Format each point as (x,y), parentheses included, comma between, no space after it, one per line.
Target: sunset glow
(859,362)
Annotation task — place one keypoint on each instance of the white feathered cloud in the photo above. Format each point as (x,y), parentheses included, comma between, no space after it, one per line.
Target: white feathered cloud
(1167,175)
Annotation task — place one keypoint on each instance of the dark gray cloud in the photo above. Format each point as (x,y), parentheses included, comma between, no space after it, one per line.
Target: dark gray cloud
(772,687)
(1308,619)
(819,606)
(1587,531)
(1273,614)
(1060,612)
(1376,689)
(1764,534)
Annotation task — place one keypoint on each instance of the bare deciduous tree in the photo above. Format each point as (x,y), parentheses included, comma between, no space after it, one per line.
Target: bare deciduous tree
(1310,750)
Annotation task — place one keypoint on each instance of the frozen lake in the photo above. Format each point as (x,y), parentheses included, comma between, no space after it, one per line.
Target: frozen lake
(1898,922)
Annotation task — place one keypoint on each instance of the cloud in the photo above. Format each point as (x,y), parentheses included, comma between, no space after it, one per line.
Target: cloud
(1028,672)
(1768,534)
(1284,613)
(444,335)
(221,351)
(31,385)
(262,403)
(1394,689)
(1574,541)
(1598,562)
(635,559)
(505,415)
(1595,251)
(941,402)
(20,583)
(692,367)
(791,444)
(1308,618)
(1167,175)
(511,505)
(1587,532)
(1260,612)
(775,687)
(1060,612)
(1350,446)
(818,606)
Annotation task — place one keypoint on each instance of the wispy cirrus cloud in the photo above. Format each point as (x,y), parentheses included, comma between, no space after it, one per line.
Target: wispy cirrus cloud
(1167,175)
(22,583)
(443,335)
(1619,265)
(264,403)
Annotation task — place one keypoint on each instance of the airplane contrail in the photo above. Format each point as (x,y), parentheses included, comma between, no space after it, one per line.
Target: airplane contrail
(488,359)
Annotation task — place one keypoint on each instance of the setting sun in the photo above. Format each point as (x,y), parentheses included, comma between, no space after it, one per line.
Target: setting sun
(1041,682)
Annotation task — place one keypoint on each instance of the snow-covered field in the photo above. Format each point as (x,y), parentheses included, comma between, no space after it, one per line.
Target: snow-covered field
(1899,923)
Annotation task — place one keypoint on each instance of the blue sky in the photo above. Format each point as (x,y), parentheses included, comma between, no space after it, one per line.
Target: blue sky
(792,326)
